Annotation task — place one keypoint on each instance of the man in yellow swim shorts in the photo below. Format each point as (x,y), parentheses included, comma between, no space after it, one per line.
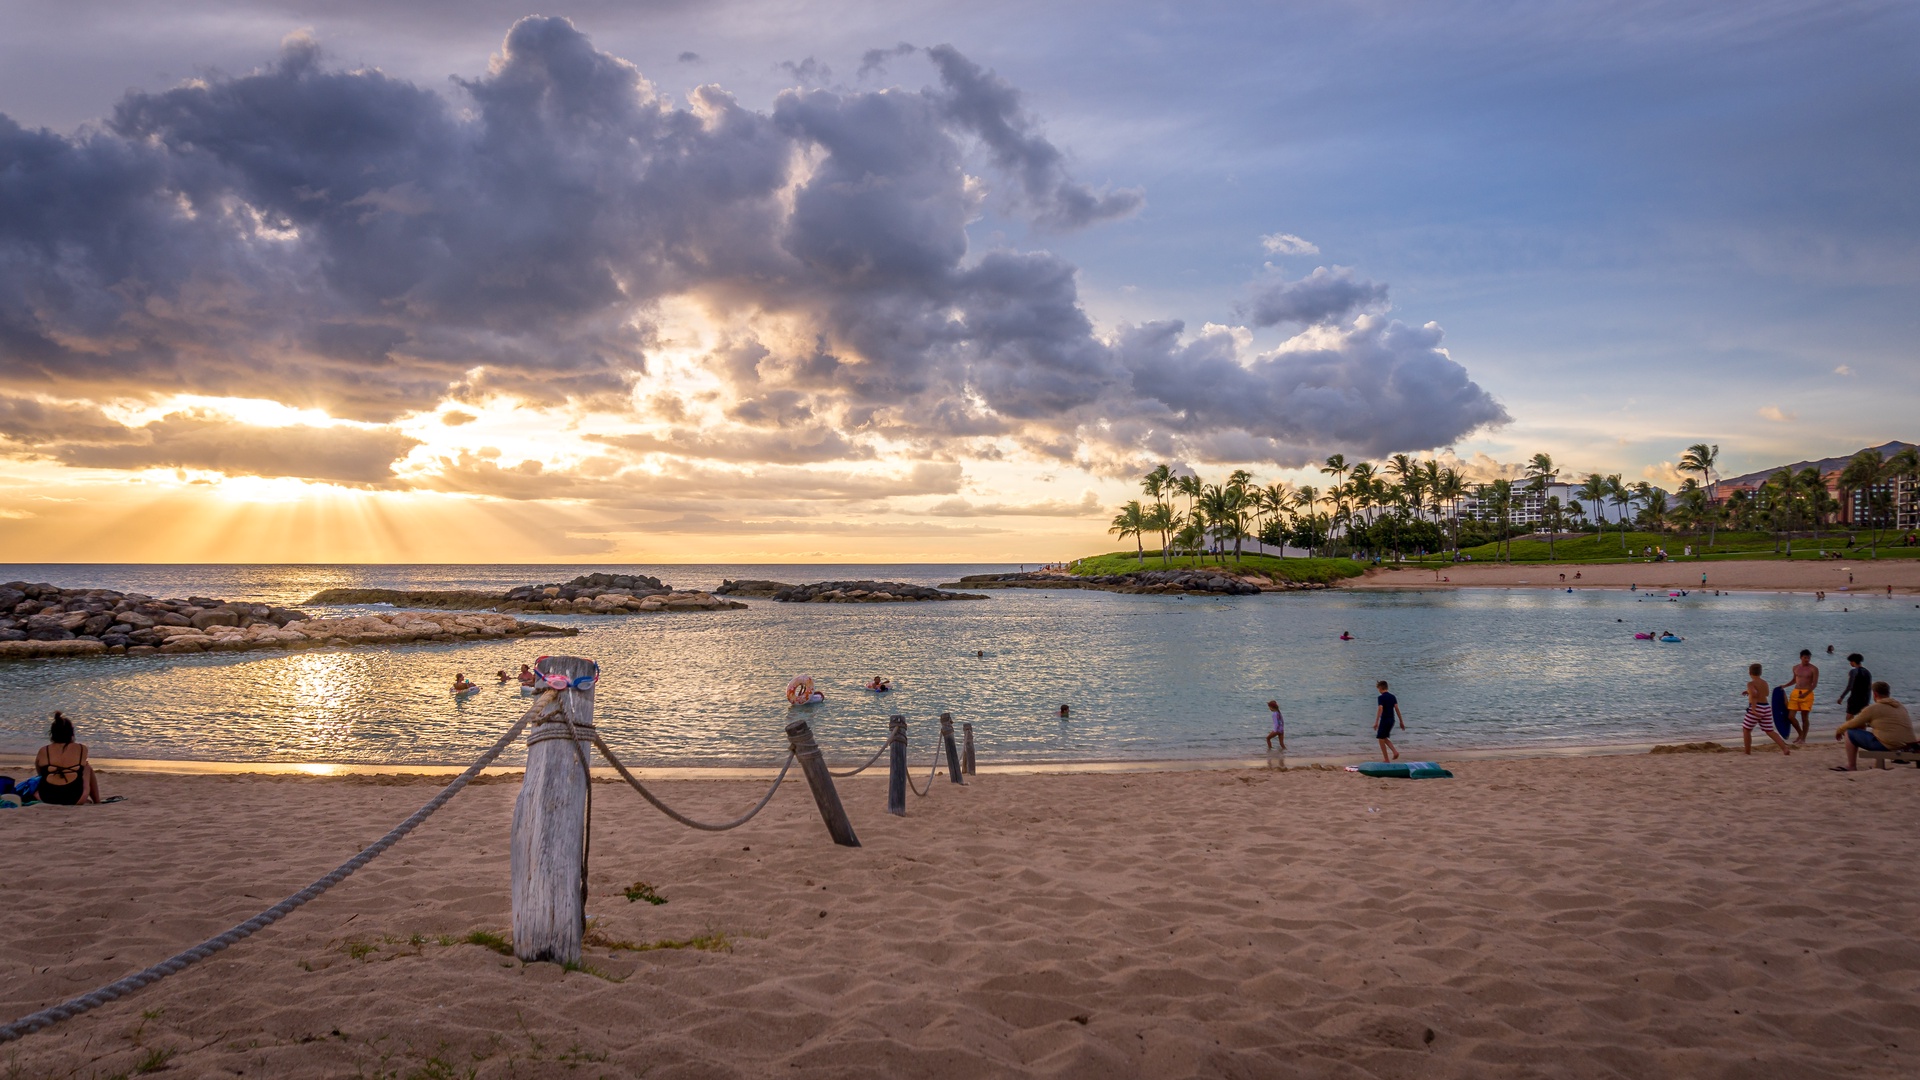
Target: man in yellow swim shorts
(1806,678)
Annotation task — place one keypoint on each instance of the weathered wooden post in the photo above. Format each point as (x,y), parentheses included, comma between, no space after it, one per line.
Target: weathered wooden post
(548,847)
(966,747)
(897,765)
(800,737)
(953,754)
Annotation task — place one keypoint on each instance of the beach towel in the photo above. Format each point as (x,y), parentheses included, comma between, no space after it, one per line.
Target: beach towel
(1405,770)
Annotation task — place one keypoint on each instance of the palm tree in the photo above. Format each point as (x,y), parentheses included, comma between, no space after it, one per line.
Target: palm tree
(1361,483)
(1701,458)
(1157,484)
(1452,487)
(1162,520)
(1622,497)
(1191,487)
(1594,490)
(1131,521)
(1499,498)
(1783,503)
(1305,498)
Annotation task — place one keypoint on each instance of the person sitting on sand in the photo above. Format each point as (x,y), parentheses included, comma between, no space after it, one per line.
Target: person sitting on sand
(66,777)
(1883,725)
(460,683)
(527,677)
(1279,727)
(1759,711)
(1385,714)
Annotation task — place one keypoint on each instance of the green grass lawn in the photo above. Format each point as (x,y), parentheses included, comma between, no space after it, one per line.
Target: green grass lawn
(1727,545)
(1322,571)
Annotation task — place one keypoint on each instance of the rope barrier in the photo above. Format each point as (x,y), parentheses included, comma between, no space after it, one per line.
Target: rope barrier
(27,1025)
(607,752)
(932,771)
(868,765)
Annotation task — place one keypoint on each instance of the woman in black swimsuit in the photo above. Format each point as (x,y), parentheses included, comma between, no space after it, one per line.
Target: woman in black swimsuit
(65,777)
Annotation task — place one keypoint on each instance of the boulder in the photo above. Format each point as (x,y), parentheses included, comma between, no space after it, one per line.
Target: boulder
(214,617)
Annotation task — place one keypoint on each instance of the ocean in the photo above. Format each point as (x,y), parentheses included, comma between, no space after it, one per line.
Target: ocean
(1148,678)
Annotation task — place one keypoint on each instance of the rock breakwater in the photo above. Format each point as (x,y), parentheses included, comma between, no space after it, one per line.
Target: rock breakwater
(840,592)
(41,620)
(588,594)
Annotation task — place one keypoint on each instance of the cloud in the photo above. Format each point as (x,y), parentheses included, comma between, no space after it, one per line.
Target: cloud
(1324,296)
(874,61)
(1288,244)
(192,440)
(1776,414)
(689,57)
(1843,369)
(1088,505)
(350,241)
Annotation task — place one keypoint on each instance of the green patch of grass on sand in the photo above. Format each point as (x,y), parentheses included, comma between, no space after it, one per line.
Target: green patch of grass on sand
(1320,571)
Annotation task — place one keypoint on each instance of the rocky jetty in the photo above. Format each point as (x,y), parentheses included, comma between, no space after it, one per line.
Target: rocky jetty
(1193,582)
(588,594)
(840,592)
(40,620)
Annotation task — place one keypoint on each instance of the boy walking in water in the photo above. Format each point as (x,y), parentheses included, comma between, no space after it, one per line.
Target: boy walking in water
(1759,711)
(1806,678)
(1385,714)
(1279,727)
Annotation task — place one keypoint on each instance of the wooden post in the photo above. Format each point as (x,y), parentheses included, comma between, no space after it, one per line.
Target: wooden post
(800,736)
(547,854)
(897,766)
(966,747)
(953,754)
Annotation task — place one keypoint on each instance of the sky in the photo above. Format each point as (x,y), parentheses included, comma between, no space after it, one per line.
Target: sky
(773,282)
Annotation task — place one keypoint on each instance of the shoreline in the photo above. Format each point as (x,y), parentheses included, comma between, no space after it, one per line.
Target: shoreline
(317,769)
(1870,577)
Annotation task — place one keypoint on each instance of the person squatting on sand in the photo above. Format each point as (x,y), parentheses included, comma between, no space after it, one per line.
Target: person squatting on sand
(1806,679)
(1385,713)
(1279,727)
(66,778)
(1883,725)
(1759,712)
(1859,685)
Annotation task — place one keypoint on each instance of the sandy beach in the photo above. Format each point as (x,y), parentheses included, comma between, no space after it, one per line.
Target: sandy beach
(1746,575)
(1691,915)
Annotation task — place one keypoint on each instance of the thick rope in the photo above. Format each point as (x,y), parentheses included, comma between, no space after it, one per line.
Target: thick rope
(607,752)
(932,771)
(868,765)
(27,1025)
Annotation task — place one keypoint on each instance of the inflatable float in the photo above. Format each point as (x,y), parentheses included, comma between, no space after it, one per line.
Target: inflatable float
(1643,637)
(800,691)
(468,692)
(1671,637)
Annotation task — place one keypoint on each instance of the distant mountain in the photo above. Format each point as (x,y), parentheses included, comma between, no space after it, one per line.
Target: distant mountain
(1824,465)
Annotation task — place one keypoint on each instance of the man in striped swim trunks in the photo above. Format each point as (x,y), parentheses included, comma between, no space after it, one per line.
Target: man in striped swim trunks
(1759,712)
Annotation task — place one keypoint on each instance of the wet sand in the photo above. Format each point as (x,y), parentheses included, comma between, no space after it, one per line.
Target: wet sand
(1693,915)
(1741,575)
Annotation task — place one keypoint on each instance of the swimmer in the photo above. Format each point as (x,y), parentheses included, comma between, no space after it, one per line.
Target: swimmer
(460,683)
(878,685)
(1063,712)
(527,677)
(1344,636)
(979,654)
(504,677)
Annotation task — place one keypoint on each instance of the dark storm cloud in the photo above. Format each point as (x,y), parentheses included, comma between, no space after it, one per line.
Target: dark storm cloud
(1324,296)
(352,241)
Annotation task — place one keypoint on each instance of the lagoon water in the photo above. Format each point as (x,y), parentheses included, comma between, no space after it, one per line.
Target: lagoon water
(1148,677)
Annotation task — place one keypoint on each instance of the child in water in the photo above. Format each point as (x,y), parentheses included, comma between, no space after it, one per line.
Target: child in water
(1279,728)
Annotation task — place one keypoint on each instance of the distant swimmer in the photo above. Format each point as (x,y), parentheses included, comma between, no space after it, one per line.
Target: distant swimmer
(979,654)
(504,677)
(1063,712)
(461,685)
(527,677)
(879,685)
(1344,636)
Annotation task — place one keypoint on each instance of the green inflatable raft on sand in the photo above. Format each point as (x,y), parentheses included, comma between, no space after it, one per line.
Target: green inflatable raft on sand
(1409,770)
